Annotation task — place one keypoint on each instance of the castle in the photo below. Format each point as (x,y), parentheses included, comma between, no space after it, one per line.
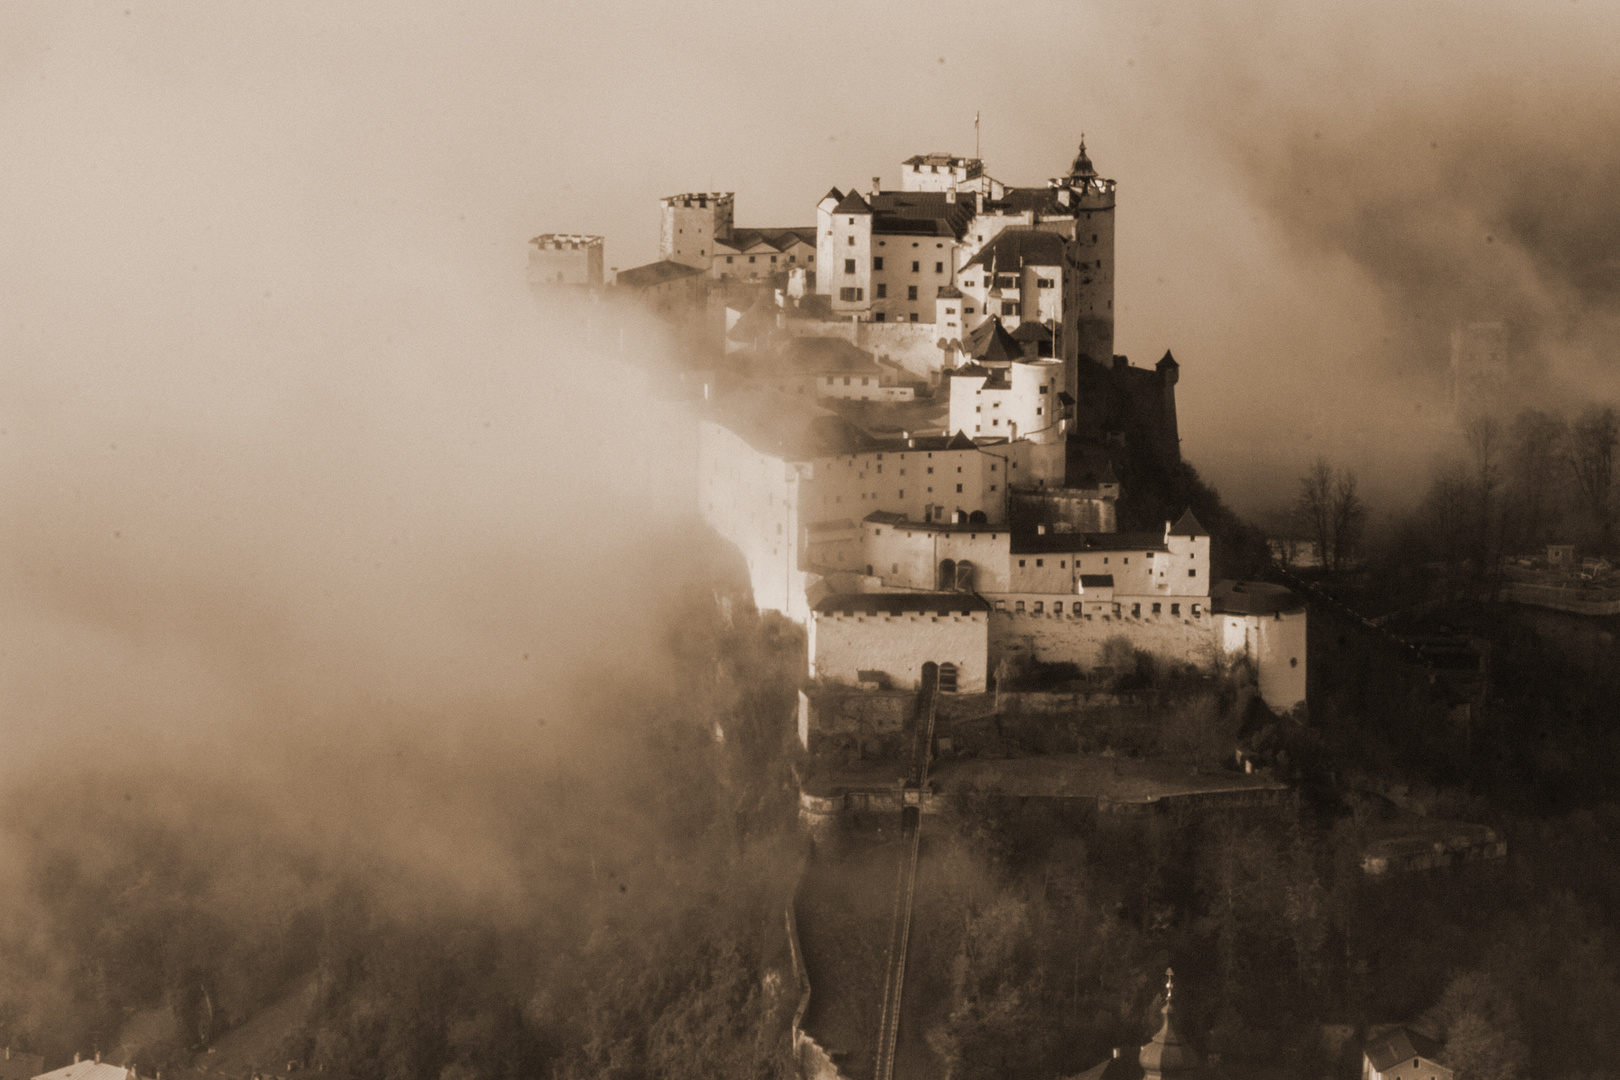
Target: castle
(909,429)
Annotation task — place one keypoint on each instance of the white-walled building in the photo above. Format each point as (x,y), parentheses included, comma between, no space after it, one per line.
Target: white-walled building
(1266,624)
(565,259)
(861,637)
(1020,400)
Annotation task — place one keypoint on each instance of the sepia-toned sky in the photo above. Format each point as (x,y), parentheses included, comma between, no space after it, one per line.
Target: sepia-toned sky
(278,422)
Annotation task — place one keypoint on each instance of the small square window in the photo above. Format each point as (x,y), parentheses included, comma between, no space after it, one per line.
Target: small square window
(1040,607)
(914,317)
(1175,609)
(1018,606)
(1192,573)
(750,258)
(959,489)
(915,266)
(1020,562)
(911,292)
(1155,609)
(877,263)
(939,268)
(849,265)
(880,291)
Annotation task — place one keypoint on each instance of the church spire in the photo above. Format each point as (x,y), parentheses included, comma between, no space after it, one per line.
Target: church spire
(1168,1054)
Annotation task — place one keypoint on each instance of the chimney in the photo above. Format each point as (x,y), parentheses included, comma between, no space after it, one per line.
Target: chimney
(950,194)
(978,202)
(876,180)
(75,1057)
(98,1057)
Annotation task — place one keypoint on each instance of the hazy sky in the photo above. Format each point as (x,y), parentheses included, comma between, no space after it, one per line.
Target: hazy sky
(273,394)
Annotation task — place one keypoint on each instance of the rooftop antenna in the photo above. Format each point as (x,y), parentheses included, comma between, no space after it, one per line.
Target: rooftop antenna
(976,135)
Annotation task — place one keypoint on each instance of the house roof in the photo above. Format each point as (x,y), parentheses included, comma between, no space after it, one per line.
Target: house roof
(88,1070)
(949,292)
(1012,248)
(825,355)
(1030,330)
(1187,525)
(852,204)
(1398,1045)
(896,603)
(1041,543)
(834,194)
(657,273)
(1253,598)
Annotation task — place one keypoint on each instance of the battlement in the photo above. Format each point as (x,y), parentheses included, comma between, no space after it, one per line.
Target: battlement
(699,200)
(566,241)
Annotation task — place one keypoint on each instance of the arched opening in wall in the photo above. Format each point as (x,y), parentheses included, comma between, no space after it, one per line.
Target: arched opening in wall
(964,576)
(947,678)
(977,518)
(947,575)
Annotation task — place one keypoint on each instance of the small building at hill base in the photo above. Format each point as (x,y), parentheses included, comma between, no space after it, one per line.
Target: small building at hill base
(1400,1053)
(1266,624)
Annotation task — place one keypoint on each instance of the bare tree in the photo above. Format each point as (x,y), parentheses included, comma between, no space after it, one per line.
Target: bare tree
(1331,513)
(1537,439)
(1447,508)
(1314,507)
(1484,436)
(1589,452)
(1349,519)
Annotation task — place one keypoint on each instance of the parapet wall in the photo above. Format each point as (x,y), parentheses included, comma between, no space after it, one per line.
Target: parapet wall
(913,346)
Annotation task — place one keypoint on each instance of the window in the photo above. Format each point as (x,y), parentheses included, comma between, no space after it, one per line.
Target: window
(959,489)
(950,311)
(1040,607)
(1040,562)
(728,258)
(911,292)
(809,258)
(1293,661)
(880,316)
(915,266)
(1155,609)
(773,257)
(1009,308)
(851,241)
(914,316)
(1018,606)
(848,293)
(939,268)
(947,678)
(1195,610)
(849,266)
(880,291)
(750,258)
(1020,562)
(1136,611)
(867,382)
(829,380)
(967,311)
(1044,388)
(793,258)
(1057,608)
(902,493)
(1192,573)
(1043,283)
(877,263)
(930,470)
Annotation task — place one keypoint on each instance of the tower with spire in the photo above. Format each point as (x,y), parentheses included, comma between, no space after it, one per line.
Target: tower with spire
(1088,330)
(1166,1056)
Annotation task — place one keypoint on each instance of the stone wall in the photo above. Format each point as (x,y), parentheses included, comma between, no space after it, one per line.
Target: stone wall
(1019,637)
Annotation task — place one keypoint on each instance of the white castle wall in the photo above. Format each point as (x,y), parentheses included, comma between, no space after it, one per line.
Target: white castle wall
(752,500)
(842,645)
(1051,638)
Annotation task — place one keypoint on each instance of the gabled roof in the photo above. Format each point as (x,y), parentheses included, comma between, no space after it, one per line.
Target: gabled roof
(88,1070)
(773,239)
(1030,330)
(897,603)
(1398,1045)
(949,292)
(852,204)
(834,194)
(1187,525)
(657,273)
(1012,248)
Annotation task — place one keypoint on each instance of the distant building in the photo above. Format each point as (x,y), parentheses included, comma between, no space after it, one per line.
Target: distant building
(943,172)
(857,637)
(664,286)
(1265,624)
(565,259)
(1402,1054)
(1169,1055)
(91,1070)
(691,223)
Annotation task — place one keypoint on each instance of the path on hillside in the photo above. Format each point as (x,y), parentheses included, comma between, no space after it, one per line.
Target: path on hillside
(894,980)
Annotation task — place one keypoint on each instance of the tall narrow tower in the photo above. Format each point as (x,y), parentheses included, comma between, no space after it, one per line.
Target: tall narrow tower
(1088,312)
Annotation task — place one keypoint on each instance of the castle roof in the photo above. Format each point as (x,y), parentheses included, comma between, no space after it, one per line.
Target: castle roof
(1166,361)
(1082,166)
(1030,330)
(897,603)
(1187,525)
(994,378)
(834,194)
(949,292)
(1253,598)
(921,213)
(1055,542)
(775,239)
(1011,249)
(852,204)
(824,355)
(991,343)
(656,273)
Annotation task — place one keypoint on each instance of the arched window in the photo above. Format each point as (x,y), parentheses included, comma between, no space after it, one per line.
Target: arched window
(947,575)
(964,576)
(947,678)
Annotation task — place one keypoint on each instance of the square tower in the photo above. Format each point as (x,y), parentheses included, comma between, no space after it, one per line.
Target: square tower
(691,224)
(565,259)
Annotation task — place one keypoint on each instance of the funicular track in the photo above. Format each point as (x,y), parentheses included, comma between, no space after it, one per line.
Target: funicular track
(894,979)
